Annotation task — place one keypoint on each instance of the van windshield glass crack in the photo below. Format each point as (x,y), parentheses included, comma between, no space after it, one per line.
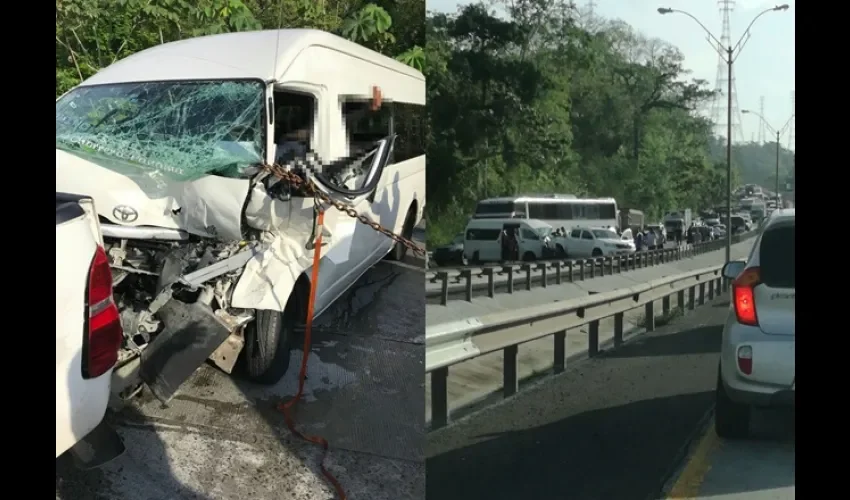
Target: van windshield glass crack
(177,130)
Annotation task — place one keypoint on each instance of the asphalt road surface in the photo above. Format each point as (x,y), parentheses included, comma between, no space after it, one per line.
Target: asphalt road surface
(612,427)
(222,438)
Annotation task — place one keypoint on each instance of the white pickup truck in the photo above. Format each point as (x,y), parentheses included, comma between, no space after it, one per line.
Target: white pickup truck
(88,335)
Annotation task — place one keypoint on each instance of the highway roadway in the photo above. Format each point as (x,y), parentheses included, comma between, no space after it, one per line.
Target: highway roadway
(617,426)
(222,438)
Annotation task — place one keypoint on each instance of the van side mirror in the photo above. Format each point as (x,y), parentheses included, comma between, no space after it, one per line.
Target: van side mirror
(733,268)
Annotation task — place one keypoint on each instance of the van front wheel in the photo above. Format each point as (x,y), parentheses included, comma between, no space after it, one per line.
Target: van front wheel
(268,340)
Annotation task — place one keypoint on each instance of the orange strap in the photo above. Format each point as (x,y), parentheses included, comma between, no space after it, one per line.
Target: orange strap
(302,375)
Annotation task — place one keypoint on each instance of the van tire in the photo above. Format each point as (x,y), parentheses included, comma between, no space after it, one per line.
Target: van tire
(561,252)
(529,257)
(731,419)
(475,260)
(268,342)
(399,251)
(596,253)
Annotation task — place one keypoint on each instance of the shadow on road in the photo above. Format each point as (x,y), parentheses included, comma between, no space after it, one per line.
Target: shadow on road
(611,453)
(698,340)
(615,427)
(144,467)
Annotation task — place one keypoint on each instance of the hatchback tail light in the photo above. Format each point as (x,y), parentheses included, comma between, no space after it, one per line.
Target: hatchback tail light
(744,297)
(103,322)
(745,360)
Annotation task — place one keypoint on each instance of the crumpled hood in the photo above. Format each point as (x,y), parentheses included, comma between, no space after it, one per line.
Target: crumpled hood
(209,207)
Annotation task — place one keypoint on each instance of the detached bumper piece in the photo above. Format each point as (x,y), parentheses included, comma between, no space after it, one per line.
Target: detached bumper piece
(192,333)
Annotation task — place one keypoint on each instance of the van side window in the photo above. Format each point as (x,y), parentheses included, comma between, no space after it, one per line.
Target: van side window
(365,126)
(483,234)
(528,234)
(576,233)
(585,235)
(294,124)
(409,127)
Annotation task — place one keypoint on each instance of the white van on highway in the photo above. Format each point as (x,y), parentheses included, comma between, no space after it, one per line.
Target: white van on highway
(211,253)
(482,240)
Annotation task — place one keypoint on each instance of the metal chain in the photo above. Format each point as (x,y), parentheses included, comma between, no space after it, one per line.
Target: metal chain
(297,181)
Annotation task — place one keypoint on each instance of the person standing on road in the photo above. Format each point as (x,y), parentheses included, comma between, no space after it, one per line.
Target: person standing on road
(515,244)
(639,239)
(506,246)
(650,239)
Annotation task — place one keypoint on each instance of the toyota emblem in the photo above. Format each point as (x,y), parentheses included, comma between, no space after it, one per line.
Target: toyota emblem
(125,213)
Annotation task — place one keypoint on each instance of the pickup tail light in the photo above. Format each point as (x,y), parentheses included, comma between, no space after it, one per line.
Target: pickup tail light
(103,321)
(743,296)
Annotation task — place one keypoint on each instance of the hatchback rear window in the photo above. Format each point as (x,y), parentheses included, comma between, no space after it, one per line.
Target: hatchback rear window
(777,257)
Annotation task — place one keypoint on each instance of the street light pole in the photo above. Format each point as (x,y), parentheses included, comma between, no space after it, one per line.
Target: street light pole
(776,195)
(729,53)
(778,133)
(729,60)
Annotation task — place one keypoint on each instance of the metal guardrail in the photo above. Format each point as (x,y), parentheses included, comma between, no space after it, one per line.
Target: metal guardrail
(506,278)
(452,343)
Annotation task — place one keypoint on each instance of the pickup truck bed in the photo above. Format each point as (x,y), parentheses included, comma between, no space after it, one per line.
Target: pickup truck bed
(85,333)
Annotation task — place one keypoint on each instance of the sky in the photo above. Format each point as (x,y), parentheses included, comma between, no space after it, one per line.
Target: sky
(765,66)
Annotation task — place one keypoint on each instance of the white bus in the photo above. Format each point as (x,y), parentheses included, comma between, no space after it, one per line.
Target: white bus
(170,142)
(565,211)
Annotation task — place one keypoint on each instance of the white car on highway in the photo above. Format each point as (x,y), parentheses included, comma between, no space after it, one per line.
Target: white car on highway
(583,242)
(757,358)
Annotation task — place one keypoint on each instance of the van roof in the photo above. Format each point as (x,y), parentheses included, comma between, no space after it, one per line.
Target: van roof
(553,198)
(498,221)
(263,55)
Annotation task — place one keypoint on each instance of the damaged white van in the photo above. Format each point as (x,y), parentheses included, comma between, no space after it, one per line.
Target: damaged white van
(211,255)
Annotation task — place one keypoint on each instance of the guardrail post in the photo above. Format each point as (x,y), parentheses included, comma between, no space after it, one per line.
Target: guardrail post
(592,267)
(711,289)
(581,270)
(678,253)
(439,397)
(610,265)
(467,275)
(702,293)
(593,338)
(444,287)
(491,283)
(602,266)
(510,380)
(618,329)
(510,271)
(558,272)
(543,267)
(570,269)
(665,305)
(680,300)
(634,258)
(560,361)
(527,269)
(718,283)
(692,298)
(649,313)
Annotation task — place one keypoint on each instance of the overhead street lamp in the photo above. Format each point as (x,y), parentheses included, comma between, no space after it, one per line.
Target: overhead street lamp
(729,54)
(778,134)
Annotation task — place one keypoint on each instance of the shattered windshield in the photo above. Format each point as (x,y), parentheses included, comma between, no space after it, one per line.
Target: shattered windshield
(180,130)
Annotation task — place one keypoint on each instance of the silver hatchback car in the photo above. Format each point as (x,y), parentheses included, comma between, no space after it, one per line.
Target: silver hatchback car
(757,357)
